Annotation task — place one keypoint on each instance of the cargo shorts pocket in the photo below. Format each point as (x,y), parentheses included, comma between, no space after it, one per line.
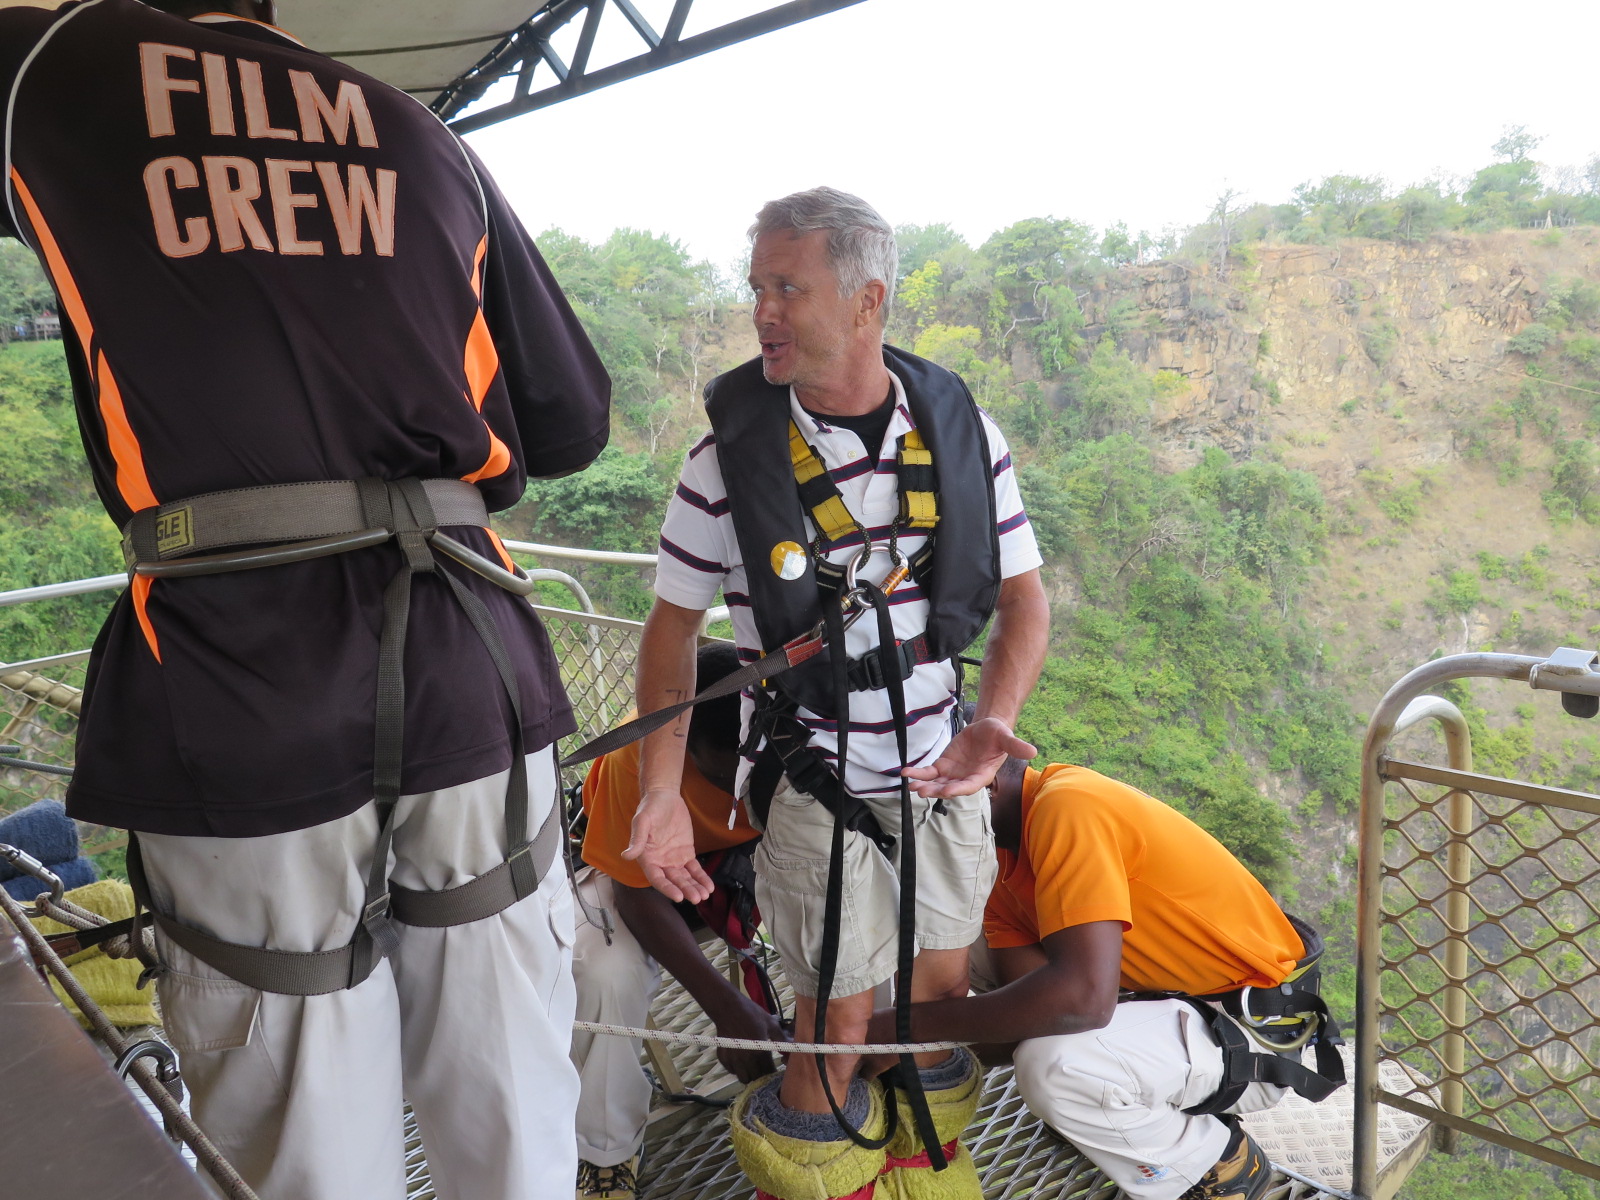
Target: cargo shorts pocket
(202,1014)
(957,869)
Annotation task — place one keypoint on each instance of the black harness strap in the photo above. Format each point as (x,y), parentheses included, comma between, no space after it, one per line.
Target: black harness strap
(1242,1066)
(833,902)
(911,1079)
(403,508)
(1280,1021)
(788,752)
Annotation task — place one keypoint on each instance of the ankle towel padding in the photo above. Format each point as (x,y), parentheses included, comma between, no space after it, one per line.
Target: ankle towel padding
(791,1168)
(910,1175)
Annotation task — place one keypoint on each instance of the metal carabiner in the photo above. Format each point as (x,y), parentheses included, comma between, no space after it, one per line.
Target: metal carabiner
(1259,1027)
(166,1071)
(29,865)
(166,1060)
(862,558)
(852,596)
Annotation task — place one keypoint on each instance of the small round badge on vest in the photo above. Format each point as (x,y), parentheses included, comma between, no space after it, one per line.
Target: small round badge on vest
(788,560)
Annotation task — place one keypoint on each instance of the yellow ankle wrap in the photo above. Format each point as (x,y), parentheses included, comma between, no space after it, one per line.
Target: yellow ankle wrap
(953,1110)
(791,1168)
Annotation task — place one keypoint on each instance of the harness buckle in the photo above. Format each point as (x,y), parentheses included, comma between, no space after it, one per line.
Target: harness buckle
(376,910)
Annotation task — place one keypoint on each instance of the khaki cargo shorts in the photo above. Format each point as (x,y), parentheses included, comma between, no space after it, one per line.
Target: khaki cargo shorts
(955,869)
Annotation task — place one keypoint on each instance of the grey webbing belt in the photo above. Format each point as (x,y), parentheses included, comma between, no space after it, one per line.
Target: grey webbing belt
(314,520)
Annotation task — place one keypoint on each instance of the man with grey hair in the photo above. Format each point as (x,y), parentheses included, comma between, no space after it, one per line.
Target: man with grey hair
(845,474)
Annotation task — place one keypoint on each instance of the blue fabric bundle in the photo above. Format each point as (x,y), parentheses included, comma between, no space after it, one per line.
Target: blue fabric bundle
(75,873)
(43,830)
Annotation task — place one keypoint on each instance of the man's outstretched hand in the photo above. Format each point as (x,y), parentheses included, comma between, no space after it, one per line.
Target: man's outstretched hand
(662,843)
(970,761)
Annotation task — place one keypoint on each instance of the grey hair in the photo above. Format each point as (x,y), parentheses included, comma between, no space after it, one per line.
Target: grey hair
(861,244)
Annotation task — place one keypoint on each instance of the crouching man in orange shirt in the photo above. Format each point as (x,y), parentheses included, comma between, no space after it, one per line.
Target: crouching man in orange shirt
(1119,942)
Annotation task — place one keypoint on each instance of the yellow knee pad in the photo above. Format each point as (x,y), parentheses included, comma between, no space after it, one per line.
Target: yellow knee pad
(910,1176)
(789,1168)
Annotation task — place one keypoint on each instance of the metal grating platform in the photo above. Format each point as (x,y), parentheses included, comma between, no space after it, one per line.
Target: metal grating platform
(687,1155)
(1016,1155)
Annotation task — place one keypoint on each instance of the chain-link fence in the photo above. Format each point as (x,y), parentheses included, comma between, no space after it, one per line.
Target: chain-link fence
(1492,955)
(39,724)
(1479,936)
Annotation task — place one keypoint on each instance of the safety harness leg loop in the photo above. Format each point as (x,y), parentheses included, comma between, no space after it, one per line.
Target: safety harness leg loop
(409,511)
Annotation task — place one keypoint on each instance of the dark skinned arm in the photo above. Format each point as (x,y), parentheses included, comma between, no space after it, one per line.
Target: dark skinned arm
(1066,984)
(667,939)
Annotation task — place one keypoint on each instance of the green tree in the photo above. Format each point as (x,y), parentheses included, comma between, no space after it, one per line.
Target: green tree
(24,290)
(920,297)
(1035,253)
(1058,335)
(1419,211)
(632,293)
(921,244)
(1339,200)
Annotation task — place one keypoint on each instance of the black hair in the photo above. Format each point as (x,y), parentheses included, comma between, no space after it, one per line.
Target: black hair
(715,724)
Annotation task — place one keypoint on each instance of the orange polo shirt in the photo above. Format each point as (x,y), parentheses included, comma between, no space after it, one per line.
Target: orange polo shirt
(1092,849)
(611,797)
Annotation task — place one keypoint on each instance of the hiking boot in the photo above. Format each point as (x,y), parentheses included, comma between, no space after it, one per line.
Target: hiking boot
(1242,1173)
(608,1183)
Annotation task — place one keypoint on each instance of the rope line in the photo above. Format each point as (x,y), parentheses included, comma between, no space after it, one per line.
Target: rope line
(707,1039)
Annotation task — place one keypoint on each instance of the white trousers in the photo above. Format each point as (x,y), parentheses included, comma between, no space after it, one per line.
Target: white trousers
(469,1023)
(615,985)
(1118,1093)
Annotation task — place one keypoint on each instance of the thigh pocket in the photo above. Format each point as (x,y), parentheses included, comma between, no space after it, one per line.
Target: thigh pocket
(956,865)
(202,1014)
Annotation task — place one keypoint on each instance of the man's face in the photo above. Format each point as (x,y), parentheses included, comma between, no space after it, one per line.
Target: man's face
(802,322)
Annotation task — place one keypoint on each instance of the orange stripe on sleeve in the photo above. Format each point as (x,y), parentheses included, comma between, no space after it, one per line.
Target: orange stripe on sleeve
(125,450)
(481,363)
(132,482)
(500,548)
(499,459)
(140,588)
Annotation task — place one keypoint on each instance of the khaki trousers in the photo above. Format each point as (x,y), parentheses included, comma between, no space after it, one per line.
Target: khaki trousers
(616,984)
(470,1023)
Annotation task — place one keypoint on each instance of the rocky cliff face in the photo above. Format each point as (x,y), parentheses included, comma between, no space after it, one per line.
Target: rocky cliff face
(1384,369)
(1298,339)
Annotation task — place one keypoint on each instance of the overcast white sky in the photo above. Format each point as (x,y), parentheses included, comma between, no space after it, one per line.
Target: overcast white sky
(981,112)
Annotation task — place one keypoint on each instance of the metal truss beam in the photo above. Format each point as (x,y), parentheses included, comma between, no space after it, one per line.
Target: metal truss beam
(523,50)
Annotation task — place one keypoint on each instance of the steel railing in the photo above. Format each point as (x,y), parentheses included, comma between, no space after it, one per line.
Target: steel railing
(1478,949)
(596,652)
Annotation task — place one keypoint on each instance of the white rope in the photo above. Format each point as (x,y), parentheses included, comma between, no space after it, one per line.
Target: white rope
(706,1039)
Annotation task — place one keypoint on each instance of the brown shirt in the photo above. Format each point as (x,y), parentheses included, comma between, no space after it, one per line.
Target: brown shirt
(274,269)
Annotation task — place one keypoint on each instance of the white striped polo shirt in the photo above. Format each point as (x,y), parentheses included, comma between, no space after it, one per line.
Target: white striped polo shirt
(700,554)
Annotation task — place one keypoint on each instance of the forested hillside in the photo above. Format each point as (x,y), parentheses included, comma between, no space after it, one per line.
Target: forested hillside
(1273,463)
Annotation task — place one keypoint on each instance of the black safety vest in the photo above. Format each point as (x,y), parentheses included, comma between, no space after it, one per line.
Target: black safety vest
(750,419)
